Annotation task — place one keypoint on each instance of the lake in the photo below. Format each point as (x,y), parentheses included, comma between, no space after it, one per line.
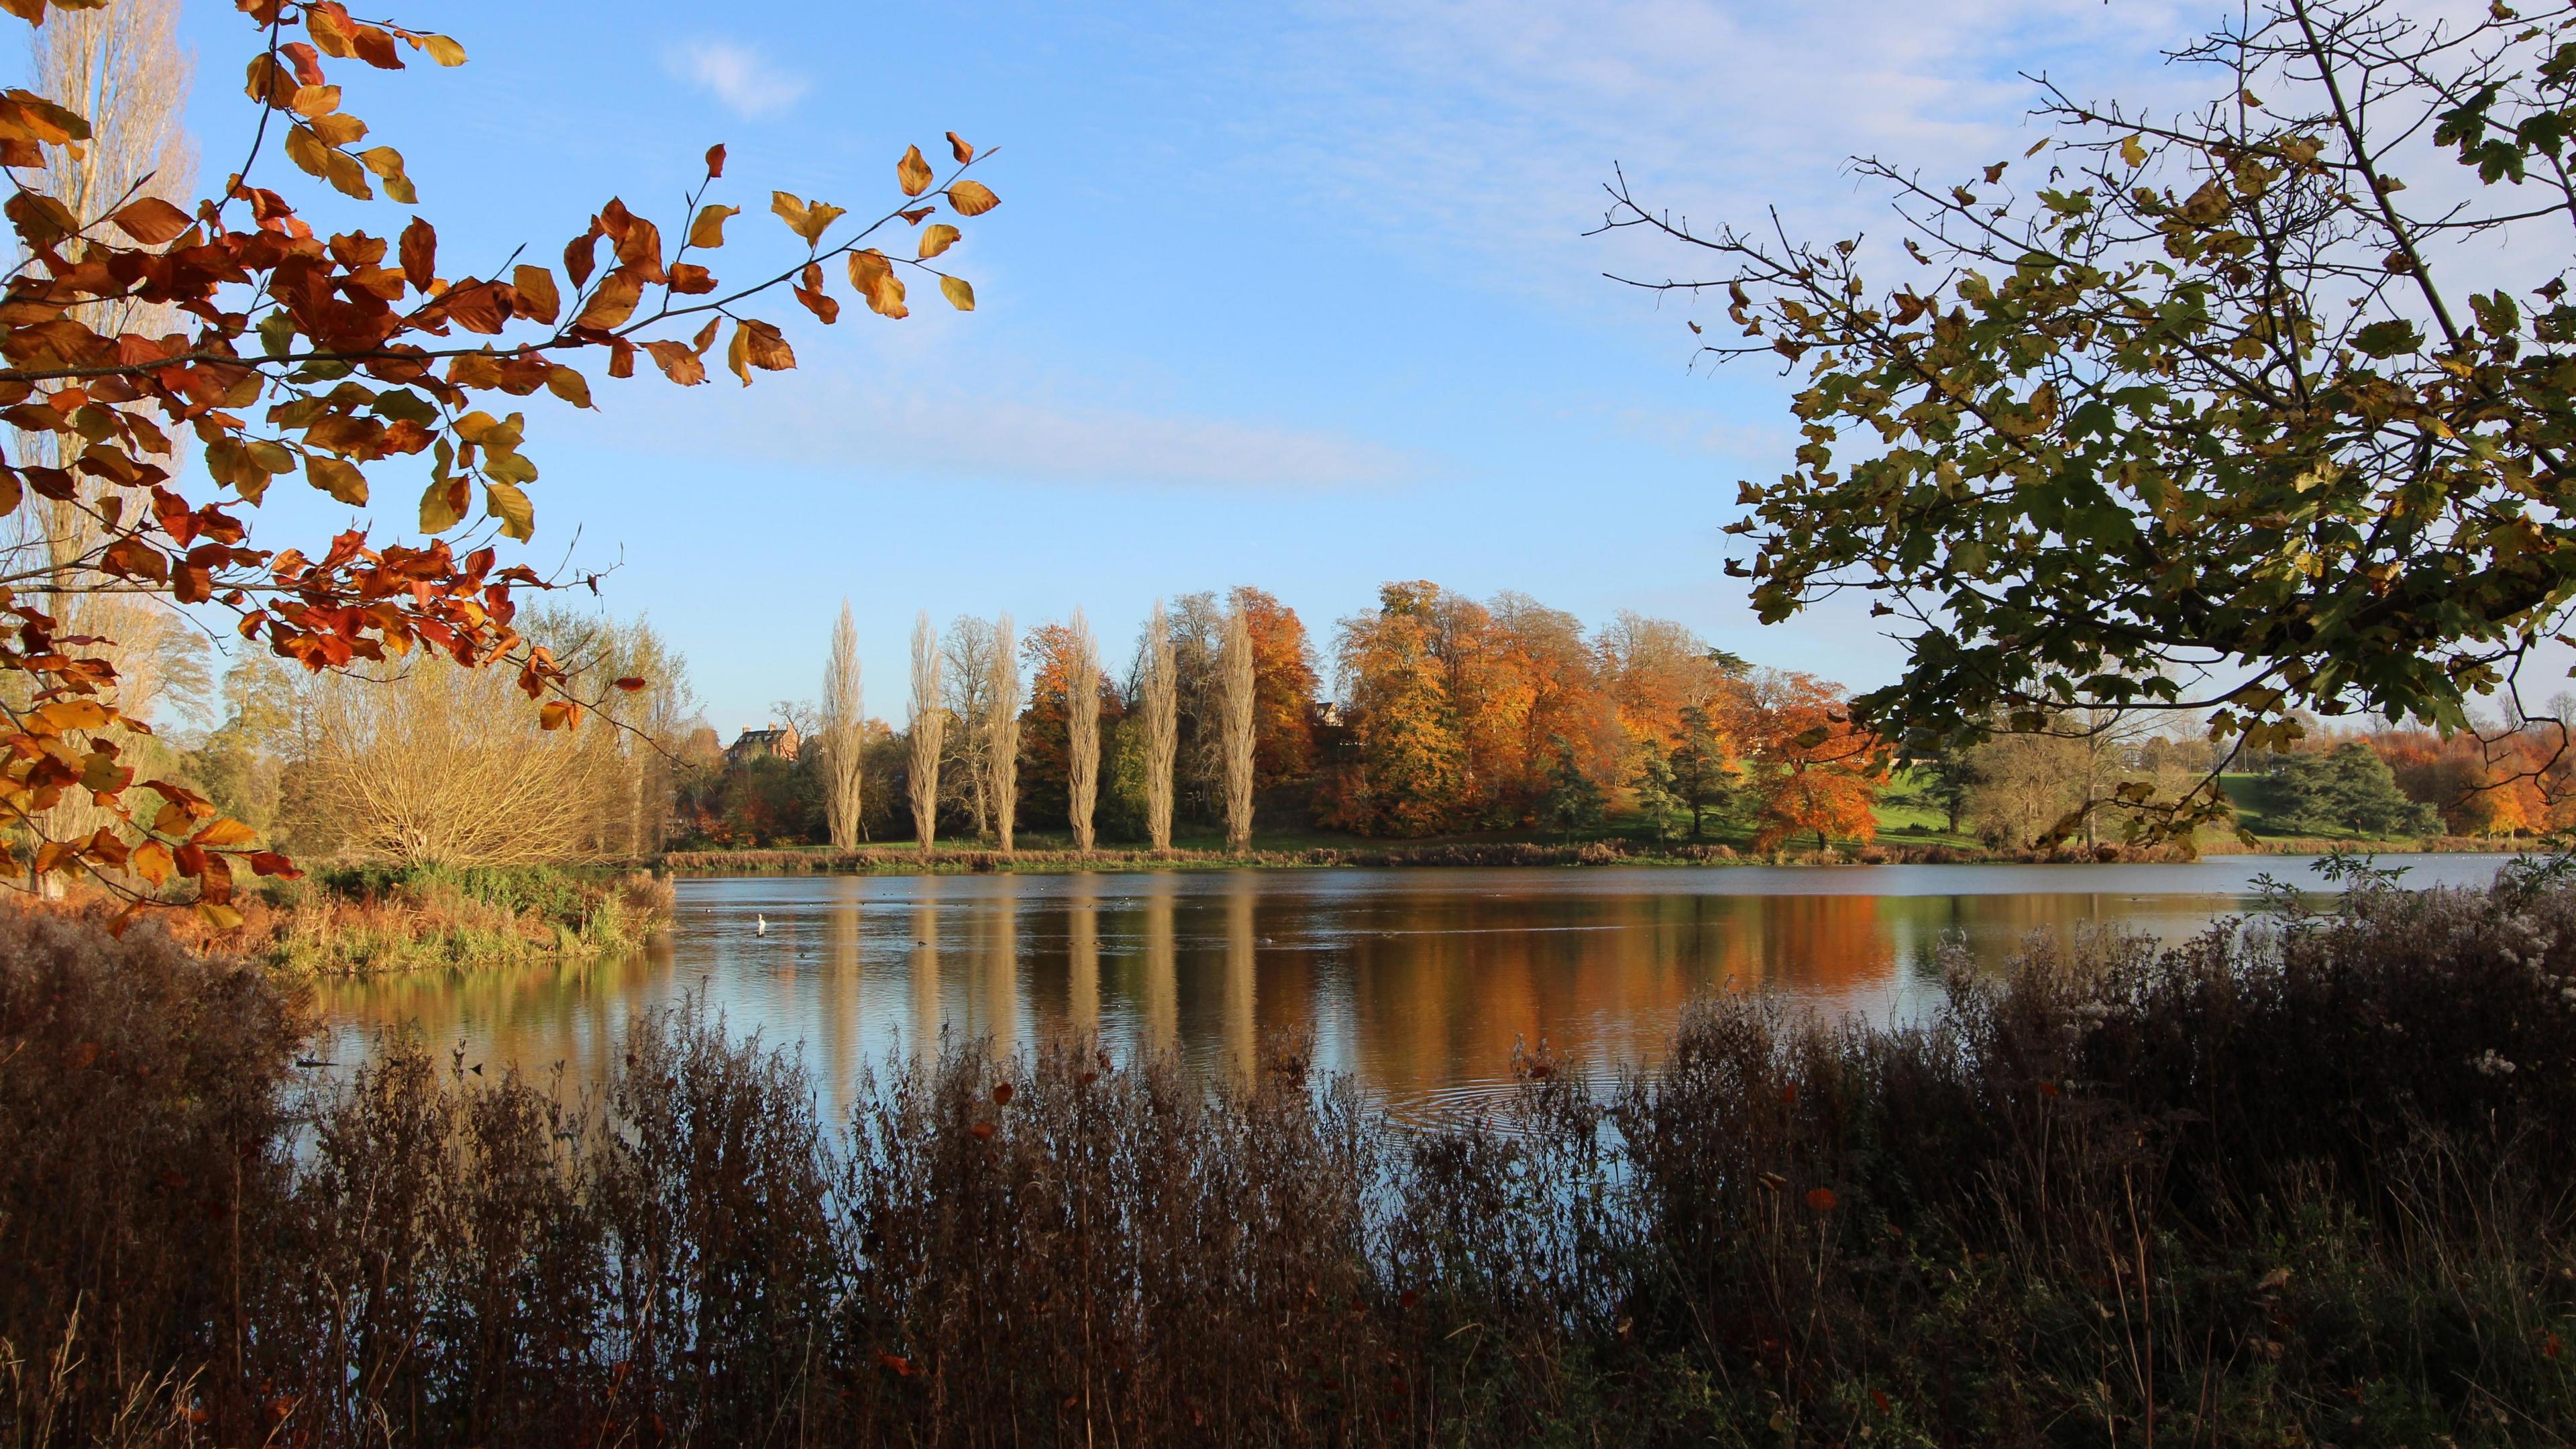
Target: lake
(1417,983)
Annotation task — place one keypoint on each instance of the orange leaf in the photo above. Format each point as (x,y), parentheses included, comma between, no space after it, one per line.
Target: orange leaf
(938,239)
(537,292)
(151,221)
(972,198)
(224,832)
(677,362)
(912,173)
(420,255)
(1821,1199)
(958,148)
(630,684)
(715,161)
(151,860)
(613,303)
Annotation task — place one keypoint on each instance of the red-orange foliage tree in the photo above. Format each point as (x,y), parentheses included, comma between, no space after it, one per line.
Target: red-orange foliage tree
(321,355)
(1816,770)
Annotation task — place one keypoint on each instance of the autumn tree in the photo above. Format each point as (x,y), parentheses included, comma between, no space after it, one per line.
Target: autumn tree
(841,741)
(2208,413)
(1815,767)
(282,352)
(1412,766)
(1081,690)
(923,725)
(1161,698)
(1235,707)
(1001,729)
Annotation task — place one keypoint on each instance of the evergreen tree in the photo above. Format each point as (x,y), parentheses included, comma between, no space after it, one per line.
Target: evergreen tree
(1572,802)
(1700,779)
(2347,788)
(1653,785)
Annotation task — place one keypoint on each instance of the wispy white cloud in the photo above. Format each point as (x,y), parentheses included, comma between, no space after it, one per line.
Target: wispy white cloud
(737,75)
(1020,434)
(1483,129)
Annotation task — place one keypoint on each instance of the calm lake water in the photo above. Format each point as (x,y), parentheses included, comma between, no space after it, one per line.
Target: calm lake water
(1418,983)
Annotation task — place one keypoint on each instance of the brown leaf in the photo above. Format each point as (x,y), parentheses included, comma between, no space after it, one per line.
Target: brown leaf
(912,173)
(715,161)
(958,148)
(419,253)
(630,683)
(581,255)
(151,221)
(972,198)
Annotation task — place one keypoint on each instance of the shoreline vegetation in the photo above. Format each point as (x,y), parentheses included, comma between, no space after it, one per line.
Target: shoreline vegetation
(906,859)
(350,921)
(2301,1184)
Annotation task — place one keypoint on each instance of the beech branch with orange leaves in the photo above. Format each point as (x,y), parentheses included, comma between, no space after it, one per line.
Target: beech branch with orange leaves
(323,355)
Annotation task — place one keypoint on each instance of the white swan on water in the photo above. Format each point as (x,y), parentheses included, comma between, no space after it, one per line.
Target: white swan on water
(759,924)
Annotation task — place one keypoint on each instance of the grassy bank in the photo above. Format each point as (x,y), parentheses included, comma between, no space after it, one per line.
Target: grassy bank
(359,920)
(2307,1188)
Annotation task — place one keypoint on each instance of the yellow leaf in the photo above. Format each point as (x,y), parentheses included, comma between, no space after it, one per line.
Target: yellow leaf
(338,128)
(312,102)
(708,229)
(443,50)
(569,385)
(972,198)
(307,152)
(959,295)
(877,284)
(790,209)
(554,714)
(912,173)
(442,504)
(505,502)
(939,238)
(69,714)
(220,916)
(341,480)
(173,820)
(223,832)
(347,176)
(2132,152)
(818,219)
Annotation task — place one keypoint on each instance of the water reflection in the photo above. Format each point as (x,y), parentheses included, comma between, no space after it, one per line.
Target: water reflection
(1418,983)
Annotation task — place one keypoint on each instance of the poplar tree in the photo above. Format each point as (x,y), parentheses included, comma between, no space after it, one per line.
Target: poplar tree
(1235,723)
(927,724)
(1002,731)
(843,735)
(1082,731)
(1162,726)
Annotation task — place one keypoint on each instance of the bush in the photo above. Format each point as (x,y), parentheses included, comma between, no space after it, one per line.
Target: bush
(2297,1183)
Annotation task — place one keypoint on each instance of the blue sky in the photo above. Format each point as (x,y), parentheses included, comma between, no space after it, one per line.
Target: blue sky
(1290,294)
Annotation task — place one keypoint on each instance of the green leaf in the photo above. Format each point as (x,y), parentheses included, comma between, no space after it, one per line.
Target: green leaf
(2388,339)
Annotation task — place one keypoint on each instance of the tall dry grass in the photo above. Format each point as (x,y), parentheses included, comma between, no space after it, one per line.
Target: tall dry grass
(2304,1187)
